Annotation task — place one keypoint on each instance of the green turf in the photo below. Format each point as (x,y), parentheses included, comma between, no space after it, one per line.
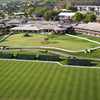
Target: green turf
(1,37)
(89,37)
(47,81)
(60,41)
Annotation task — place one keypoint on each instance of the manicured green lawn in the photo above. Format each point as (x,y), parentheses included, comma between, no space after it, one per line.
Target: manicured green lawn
(2,37)
(21,80)
(89,37)
(60,41)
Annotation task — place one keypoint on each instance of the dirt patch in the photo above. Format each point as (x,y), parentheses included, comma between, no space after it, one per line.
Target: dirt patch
(46,42)
(26,36)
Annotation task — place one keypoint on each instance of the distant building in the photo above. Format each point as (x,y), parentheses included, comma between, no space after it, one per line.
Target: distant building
(65,10)
(88,8)
(43,27)
(65,15)
(19,13)
(15,22)
(4,5)
(92,29)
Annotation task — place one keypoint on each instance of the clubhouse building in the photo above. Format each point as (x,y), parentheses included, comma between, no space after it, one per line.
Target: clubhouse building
(42,27)
(92,29)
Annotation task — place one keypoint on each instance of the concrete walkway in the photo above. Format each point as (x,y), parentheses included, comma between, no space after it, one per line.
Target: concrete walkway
(83,38)
(53,62)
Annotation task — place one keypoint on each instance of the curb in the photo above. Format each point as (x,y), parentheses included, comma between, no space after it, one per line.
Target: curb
(53,62)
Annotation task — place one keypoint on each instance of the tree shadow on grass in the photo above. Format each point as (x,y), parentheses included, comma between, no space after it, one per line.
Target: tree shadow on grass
(30,35)
(54,42)
(62,59)
(93,64)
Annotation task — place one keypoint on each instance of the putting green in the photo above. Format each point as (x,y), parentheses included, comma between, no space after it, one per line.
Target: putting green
(59,41)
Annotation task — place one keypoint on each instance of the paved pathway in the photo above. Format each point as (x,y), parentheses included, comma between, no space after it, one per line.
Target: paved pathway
(65,55)
(83,38)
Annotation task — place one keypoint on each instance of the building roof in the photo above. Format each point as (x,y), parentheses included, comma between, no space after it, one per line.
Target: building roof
(89,26)
(42,22)
(15,21)
(66,14)
(49,27)
(39,26)
(65,10)
(19,13)
(26,27)
(58,28)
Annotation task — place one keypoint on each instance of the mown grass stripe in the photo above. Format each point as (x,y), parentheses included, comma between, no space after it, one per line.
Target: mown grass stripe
(2,65)
(13,79)
(91,85)
(40,82)
(5,68)
(17,75)
(70,88)
(63,86)
(45,84)
(75,84)
(82,91)
(45,90)
(8,73)
(8,84)
(36,79)
(98,83)
(30,83)
(21,82)
(86,94)
(60,84)
(50,85)
(79,85)
(56,84)
(95,91)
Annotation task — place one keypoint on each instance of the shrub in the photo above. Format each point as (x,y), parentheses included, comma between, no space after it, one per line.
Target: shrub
(85,21)
(46,39)
(26,34)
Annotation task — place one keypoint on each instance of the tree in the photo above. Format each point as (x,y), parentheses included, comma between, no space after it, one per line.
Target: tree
(6,30)
(46,39)
(78,16)
(69,7)
(62,6)
(47,15)
(85,21)
(2,31)
(51,14)
(91,17)
(30,10)
(84,16)
(52,33)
